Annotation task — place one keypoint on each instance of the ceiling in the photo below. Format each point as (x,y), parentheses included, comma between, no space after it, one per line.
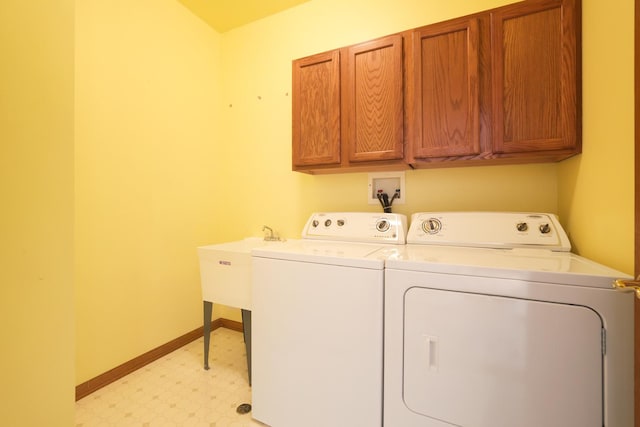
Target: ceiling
(224,15)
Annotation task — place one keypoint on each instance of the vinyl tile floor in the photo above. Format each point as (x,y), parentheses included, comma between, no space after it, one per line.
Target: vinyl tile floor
(175,390)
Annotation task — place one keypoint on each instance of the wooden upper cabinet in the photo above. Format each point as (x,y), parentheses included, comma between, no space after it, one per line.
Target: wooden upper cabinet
(444,85)
(496,87)
(373,100)
(316,110)
(535,66)
(348,108)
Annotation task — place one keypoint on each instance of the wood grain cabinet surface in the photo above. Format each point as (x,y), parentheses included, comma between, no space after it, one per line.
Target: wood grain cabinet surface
(444,85)
(374,100)
(536,78)
(316,110)
(500,86)
(348,108)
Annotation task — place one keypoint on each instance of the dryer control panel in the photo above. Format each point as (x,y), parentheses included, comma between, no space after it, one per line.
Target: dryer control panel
(489,229)
(364,227)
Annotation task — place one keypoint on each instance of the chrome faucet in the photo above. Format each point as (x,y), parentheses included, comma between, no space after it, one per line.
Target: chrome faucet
(270,236)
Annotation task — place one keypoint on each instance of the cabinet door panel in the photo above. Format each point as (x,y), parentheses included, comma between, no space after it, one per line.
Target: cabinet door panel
(316,110)
(535,77)
(374,100)
(446,90)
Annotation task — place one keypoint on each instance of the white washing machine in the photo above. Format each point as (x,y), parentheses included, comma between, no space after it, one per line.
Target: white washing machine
(490,321)
(318,322)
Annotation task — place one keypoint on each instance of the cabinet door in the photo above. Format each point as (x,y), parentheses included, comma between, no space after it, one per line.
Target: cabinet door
(373,99)
(316,110)
(535,76)
(445,90)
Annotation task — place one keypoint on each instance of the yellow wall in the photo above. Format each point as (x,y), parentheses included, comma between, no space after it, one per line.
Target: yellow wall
(147,134)
(184,138)
(596,189)
(36,218)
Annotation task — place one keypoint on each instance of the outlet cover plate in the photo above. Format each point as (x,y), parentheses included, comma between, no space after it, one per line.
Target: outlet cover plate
(386,182)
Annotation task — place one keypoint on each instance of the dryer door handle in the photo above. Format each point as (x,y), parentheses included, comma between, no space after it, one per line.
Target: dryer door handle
(431,352)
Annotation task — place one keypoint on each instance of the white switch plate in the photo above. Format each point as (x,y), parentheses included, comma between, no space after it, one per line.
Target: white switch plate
(388,182)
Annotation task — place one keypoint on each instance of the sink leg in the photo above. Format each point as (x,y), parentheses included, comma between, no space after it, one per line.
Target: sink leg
(208,311)
(246,330)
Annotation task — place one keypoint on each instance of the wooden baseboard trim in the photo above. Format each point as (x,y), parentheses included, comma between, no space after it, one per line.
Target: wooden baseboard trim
(136,363)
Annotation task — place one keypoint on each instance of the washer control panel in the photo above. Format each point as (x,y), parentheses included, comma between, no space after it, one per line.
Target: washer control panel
(357,227)
(488,229)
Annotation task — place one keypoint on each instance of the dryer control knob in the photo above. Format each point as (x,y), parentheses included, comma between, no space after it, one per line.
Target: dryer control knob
(522,226)
(383,225)
(432,226)
(545,228)
(327,223)
(315,223)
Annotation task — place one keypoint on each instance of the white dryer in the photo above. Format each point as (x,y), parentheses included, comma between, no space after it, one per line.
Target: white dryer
(318,322)
(490,321)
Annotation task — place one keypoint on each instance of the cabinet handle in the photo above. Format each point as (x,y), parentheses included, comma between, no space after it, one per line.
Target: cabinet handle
(628,286)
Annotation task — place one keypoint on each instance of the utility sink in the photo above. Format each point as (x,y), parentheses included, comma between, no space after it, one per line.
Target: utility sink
(225,275)
(225,271)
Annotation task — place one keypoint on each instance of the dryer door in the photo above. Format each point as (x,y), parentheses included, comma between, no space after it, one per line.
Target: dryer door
(489,361)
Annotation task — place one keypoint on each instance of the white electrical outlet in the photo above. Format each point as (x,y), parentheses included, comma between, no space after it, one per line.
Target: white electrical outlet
(386,182)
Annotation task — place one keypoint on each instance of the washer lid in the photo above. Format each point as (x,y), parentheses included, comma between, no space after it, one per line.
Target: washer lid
(541,265)
(362,255)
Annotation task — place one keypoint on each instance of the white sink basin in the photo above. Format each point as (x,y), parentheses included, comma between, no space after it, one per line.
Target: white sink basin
(225,271)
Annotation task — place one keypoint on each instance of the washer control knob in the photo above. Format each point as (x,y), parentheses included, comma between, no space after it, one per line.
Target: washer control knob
(522,226)
(327,223)
(432,226)
(383,225)
(545,228)
(340,222)
(315,223)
